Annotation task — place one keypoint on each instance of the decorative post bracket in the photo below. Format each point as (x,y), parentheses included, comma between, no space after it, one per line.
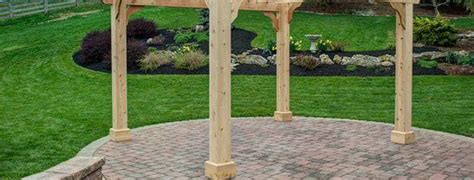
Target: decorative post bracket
(402,133)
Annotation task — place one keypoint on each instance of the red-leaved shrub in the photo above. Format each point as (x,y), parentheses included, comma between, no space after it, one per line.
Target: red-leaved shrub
(95,46)
(135,51)
(141,28)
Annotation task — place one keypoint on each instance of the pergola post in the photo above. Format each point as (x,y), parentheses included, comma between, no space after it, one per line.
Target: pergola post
(402,133)
(281,22)
(119,130)
(283,112)
(220,164)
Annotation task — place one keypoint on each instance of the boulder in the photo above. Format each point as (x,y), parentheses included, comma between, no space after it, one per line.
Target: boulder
(337,59)
(325,59)
(157,40)
(200,28)
(429,55)
(252,59)
(271,59)
(346,60)
(387,57)
(386,63)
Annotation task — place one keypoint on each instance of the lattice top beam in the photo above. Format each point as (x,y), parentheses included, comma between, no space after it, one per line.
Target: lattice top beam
(254,5)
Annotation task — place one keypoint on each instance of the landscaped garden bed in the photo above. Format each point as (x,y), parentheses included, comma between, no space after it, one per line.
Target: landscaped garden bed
(184,51)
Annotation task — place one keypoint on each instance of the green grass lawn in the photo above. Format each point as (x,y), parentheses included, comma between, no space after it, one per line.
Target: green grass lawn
(50,107)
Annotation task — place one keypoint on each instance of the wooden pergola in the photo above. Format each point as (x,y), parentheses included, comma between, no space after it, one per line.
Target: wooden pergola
(222,14)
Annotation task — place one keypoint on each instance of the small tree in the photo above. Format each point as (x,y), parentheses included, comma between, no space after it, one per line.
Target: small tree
(438,3)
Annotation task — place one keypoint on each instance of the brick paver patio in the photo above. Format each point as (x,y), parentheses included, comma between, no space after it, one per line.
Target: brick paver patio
(304,148)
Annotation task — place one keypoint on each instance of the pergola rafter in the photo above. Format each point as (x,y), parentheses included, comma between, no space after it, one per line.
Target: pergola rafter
(222,14)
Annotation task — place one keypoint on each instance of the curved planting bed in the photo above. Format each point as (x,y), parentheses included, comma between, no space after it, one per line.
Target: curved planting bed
(184,51)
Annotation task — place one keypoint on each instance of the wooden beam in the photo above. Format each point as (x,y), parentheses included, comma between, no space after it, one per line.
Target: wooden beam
(283,112)
(220,164)
(252,5)
(119,130)
(402,133)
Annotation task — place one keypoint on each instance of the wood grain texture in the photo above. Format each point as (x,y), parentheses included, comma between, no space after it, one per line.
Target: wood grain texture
(283,112)
(220,165)
(119,131)
(402,133)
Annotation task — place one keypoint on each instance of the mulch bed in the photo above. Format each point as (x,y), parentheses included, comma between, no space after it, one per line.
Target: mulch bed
(242,41)
(251,69)
(322,70)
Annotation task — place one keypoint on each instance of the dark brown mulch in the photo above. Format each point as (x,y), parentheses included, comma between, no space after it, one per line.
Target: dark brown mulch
(452,69)
(241,41)
(322,70)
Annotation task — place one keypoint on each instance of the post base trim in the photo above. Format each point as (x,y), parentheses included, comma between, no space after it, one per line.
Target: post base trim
(403,137)
(120,134)
(283,116)
(220,171)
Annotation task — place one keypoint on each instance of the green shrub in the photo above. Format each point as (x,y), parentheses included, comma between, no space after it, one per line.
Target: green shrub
(428,64)
(189,37)
(155,59)
(467,59)
(308,62)
(459,58)
(451,58)
(351,67)
(191,60)
(434,31)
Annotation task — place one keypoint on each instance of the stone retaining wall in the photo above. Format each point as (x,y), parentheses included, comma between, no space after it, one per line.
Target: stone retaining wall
(83,168)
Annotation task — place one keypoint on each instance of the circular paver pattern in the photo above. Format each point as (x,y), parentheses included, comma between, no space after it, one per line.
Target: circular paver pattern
(305,148)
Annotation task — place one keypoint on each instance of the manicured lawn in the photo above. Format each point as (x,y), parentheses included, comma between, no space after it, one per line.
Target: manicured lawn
(50,108)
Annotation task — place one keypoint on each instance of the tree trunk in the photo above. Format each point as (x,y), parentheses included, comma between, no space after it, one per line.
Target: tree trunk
(435,6)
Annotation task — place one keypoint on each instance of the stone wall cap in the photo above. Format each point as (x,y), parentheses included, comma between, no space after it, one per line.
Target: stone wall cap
(74,168)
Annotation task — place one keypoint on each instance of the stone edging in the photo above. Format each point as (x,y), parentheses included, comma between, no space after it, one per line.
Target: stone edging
(90,149)
(75,168)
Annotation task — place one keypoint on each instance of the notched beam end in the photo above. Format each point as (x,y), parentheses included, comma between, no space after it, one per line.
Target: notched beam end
(133,9)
